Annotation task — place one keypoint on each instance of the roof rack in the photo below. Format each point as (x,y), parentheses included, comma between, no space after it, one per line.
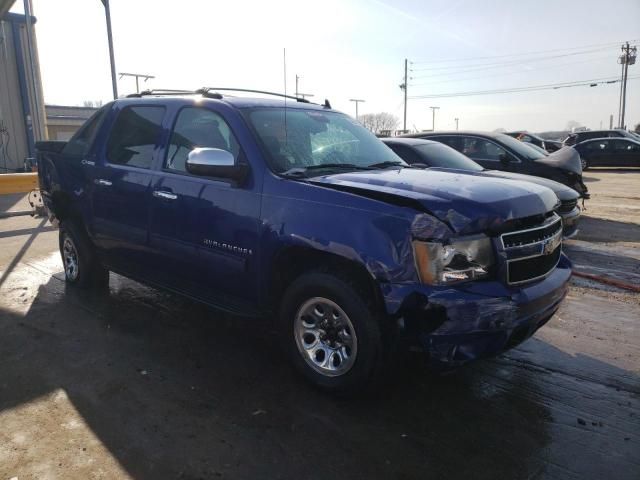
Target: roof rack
(208,90)
(212,92)
(161,91)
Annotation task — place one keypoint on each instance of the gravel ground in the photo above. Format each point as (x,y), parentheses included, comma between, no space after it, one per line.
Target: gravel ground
(137,383)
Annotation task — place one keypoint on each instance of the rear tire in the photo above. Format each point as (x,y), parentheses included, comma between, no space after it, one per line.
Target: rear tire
(331,333)
(81,267)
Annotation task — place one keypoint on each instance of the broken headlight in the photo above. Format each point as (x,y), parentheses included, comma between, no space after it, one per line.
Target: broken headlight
(463,259)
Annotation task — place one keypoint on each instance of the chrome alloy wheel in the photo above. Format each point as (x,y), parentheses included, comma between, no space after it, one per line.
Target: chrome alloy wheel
(70,258)
(325,337)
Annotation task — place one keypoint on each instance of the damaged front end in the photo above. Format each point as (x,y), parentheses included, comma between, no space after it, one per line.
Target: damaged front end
(483,294)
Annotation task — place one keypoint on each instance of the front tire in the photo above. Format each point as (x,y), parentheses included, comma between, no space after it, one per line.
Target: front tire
(332,334)
(81,266)
(585,164)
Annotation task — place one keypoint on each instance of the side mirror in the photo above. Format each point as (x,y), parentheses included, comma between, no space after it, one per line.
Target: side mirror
(505,157)
(215,162)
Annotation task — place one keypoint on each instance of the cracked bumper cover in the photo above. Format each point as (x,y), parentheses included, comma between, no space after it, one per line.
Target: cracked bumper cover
(478,319)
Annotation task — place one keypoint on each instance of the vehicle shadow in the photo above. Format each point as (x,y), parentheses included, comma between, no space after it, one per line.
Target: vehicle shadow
(587,178)
(599,230)
(176,390)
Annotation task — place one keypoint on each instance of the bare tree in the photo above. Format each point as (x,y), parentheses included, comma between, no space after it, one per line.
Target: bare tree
(92,103)
(377,122)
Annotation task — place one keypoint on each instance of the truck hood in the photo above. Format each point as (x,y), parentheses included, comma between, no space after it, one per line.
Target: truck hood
(566,158)
(466,203)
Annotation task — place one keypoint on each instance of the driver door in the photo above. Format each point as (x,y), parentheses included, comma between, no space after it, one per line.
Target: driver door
(203,230)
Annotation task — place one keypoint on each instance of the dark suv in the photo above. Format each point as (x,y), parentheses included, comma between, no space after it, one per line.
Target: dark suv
(287,210)
(497,151)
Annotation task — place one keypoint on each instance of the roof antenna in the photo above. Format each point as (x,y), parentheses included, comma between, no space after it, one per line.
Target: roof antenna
(284,61)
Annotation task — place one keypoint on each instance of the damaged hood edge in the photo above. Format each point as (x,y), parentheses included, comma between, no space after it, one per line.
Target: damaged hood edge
(465,206)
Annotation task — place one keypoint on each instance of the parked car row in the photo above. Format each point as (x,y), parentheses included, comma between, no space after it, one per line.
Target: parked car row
(293,211)
(434,154)
(497,151)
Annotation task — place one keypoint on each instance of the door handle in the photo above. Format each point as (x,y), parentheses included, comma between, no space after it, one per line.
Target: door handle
(165,195)
(102,182)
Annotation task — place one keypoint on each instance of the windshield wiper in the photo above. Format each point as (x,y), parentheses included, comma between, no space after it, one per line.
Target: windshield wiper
(301,171)
(388,164)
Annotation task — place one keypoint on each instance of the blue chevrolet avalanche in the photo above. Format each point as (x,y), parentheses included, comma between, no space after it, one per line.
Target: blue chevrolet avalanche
(280,208)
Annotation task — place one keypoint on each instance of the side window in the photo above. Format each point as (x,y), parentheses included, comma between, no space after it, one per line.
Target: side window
(134,136)
(81,142)
(198,127)
(623,146)
(598,146)
(478,148)
(453,142)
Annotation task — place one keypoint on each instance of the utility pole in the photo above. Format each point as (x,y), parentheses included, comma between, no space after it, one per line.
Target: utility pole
(404,87)
(138,76)
(611,121)
(627,58)
(456,119)
(433,123)
(621,82)
(357,102)
(114,82)
(297,78)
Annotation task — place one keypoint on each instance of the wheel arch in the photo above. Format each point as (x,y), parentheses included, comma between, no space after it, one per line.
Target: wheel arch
(293,261)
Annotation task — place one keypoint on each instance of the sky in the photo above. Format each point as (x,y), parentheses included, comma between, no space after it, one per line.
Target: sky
(346,49)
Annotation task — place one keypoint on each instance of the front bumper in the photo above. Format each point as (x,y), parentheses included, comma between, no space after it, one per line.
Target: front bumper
(570,222)
(478,320)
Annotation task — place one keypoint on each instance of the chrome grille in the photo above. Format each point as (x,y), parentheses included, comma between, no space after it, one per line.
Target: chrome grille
(567,206)
(532,253)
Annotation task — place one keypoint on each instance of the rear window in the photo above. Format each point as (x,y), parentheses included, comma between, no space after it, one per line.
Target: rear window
(81,142)
(439,155)
(134,136)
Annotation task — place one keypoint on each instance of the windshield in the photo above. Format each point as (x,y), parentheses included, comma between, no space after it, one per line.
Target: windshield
(313,139)
(520,148)
(440,155)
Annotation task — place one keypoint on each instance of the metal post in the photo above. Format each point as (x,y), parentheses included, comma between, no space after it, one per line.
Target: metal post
(433,124)
(404,124)
(114,82)
(297,78)
(357,101)
(36,117)
(456,119)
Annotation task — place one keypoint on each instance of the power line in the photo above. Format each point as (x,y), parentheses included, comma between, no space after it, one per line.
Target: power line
(444,60)
(511,61)
(500,74)
(500,65)
(579,83)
